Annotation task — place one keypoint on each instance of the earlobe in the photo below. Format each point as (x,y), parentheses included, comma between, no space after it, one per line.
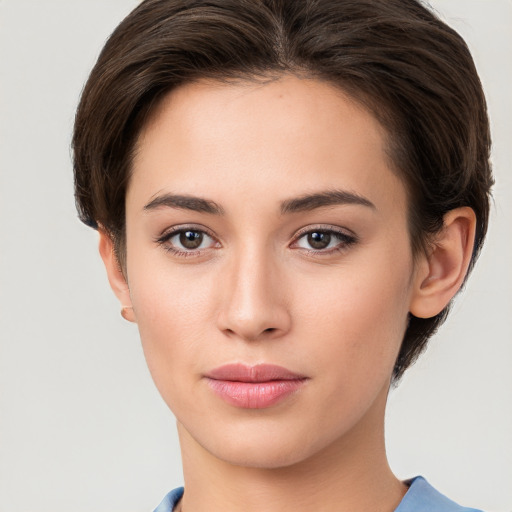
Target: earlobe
(115,275)
(440,273)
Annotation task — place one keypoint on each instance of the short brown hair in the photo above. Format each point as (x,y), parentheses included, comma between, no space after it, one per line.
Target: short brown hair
(396,57)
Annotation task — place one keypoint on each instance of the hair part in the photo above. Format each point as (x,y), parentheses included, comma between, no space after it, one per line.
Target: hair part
(395,57)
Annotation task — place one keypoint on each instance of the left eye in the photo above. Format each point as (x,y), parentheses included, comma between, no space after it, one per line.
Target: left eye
(320,240)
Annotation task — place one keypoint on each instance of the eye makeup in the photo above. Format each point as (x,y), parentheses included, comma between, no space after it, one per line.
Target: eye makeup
(192,241)
(323,240)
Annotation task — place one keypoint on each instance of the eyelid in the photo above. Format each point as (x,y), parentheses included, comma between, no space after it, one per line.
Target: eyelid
(164,238)
(347,237)
(325,228)
(172,230)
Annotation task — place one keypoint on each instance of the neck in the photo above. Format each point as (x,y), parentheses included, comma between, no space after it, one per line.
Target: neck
(351,474)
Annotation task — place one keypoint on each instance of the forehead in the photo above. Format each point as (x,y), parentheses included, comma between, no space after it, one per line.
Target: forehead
(291,135)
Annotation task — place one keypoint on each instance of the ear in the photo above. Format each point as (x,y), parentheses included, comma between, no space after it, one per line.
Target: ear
(440,273)
(115,275)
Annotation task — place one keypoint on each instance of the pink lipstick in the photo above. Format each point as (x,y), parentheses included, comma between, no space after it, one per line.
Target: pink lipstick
(254,387)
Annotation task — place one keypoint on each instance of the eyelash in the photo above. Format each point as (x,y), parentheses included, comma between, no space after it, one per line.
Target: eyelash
(345,240)
(164,239)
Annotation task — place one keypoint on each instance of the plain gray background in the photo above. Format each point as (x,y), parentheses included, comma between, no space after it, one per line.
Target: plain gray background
(81,426)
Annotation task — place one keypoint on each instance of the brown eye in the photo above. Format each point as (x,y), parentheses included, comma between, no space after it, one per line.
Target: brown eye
(191,239)
(319,239)
(324,241)
(187,241)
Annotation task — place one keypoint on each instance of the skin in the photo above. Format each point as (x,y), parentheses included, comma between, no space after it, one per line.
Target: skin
(256,291)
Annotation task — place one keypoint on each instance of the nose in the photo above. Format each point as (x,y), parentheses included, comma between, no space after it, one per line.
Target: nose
(254,305)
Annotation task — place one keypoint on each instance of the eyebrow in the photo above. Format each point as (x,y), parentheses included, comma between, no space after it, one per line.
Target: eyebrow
(309,202)
(306,202)
(185,202)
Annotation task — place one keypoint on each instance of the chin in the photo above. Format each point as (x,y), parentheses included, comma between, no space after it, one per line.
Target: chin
(262,456)
(258,446)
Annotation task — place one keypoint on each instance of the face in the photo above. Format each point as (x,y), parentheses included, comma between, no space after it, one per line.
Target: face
(269,266)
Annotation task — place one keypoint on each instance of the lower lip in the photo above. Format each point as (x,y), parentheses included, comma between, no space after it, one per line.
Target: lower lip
(255,395)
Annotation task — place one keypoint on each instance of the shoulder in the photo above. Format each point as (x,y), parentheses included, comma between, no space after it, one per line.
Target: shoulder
(170,500)
(422,497)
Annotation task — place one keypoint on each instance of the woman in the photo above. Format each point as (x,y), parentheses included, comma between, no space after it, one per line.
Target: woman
(288,194)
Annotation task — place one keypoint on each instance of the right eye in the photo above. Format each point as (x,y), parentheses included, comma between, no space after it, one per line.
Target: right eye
(186,241)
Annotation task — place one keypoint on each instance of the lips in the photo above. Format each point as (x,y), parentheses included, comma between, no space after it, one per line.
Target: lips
(254,387)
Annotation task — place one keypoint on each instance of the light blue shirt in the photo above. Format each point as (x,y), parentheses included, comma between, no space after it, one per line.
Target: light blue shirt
(421,497)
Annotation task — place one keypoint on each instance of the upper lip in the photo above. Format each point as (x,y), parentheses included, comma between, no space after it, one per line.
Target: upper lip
(239,372)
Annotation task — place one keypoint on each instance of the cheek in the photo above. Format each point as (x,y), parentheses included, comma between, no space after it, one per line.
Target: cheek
(351,333)
(173,313)
(357,318)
